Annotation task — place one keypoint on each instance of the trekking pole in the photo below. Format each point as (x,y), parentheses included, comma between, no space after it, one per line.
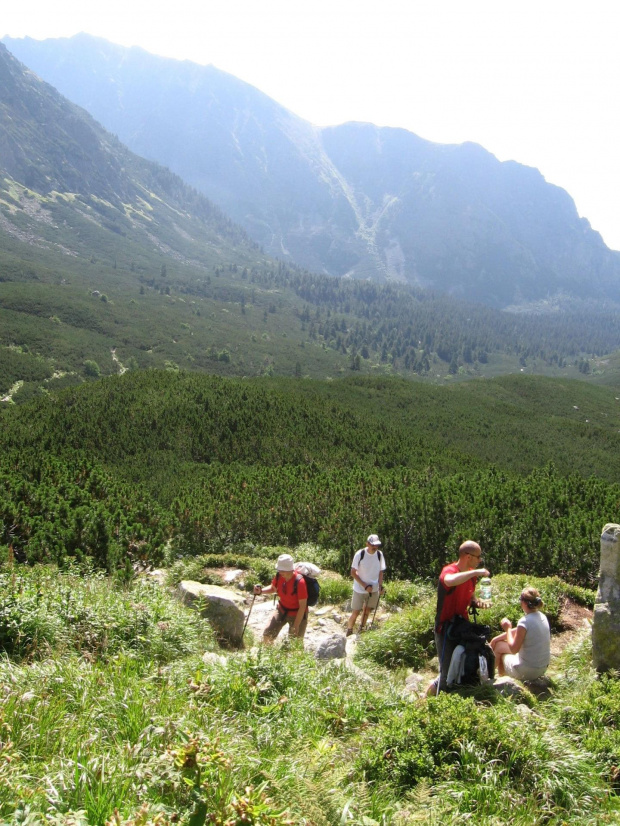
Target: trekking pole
(372,622)
(245,624)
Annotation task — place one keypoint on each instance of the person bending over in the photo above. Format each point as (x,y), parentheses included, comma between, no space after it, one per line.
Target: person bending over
(292,607)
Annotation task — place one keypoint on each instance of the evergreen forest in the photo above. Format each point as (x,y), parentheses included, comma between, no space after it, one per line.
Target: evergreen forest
(118,468)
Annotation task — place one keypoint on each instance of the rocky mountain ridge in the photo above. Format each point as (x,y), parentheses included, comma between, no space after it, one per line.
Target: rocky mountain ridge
(353,200)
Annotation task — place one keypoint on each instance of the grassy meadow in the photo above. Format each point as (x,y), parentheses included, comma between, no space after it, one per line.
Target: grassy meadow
(111,715)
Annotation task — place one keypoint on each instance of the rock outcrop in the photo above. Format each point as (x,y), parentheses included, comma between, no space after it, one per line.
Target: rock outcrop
(330,646)
(606,620)
(223,609)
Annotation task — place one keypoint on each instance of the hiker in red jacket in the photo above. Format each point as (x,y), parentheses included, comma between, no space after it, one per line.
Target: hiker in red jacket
(292,607)
(455,593)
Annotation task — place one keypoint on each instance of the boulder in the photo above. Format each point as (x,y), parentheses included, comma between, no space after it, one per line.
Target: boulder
(541,687)
(327,646)
(233,576)
(606,619)
(223,609)
(158,575)
(508,687)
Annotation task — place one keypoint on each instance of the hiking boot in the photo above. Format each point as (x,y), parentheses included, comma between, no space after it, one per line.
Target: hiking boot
(349,632)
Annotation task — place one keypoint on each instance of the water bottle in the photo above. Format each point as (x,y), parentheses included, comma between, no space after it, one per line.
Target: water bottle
(485,589)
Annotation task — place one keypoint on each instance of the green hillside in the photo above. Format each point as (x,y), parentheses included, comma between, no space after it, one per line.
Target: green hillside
(130,307)
(112,266)
(517,423)
(112,717)
(525,464)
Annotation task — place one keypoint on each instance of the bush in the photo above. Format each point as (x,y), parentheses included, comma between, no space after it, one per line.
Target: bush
(593,716)
(402,592)
(454,743)
(92,369)
(26,625)
(335,590)
(41,609)
(554,592)
(405,639)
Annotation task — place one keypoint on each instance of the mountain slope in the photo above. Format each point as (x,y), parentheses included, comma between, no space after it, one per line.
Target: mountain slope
(108,261)
(349,200)
(98,248)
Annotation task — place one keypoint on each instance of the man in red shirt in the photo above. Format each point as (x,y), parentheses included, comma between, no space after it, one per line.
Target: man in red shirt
(455,593)
(292,594)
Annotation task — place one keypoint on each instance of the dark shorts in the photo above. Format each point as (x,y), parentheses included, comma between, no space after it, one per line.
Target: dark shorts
(445,649)
(278,621)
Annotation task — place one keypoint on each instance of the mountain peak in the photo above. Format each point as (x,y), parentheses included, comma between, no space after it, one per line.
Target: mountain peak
(355,199)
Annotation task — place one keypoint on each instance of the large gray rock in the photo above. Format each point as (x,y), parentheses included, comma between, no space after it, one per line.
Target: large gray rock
(222,608)
(606,620)
(541,687)
(327,646)
(510,688)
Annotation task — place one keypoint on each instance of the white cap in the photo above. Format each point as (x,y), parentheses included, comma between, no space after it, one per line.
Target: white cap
(285,563)
(373,539)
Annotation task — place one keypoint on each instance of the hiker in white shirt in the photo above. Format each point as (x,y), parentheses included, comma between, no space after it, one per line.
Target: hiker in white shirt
(367,571)
(524,652)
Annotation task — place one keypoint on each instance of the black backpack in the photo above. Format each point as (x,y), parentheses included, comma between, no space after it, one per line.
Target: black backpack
(312,586)
(473,637)
(363,553)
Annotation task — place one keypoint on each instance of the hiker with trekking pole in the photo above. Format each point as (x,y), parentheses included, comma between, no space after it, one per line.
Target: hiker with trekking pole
(367,571)
(292,605)
(455,595)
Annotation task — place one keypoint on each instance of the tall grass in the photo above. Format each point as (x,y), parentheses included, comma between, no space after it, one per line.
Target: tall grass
(144,731)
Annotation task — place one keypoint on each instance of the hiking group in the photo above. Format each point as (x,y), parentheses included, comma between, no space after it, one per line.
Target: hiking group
(522,652)
(464,654)
(291,583)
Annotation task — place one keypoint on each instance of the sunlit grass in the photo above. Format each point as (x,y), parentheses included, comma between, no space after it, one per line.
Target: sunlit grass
(163,736)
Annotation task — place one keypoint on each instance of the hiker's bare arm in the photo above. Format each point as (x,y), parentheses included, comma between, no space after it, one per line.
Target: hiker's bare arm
(451,580)
(358,578)
(268,589)
(515,638)
(300,615)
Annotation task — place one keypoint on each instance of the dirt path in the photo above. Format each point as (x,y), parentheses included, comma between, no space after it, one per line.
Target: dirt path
(323,621)
(576,622)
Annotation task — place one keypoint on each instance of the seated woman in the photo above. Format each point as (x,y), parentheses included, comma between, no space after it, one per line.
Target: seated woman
(524,652)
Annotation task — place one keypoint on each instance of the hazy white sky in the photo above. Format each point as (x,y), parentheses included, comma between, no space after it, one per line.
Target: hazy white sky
(536,81)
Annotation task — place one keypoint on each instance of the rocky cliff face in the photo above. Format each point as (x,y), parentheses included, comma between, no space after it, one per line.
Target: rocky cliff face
(354,200)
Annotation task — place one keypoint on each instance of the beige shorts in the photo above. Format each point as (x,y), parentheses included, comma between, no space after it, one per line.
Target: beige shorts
(278,621)
(516,669)
(359,601)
